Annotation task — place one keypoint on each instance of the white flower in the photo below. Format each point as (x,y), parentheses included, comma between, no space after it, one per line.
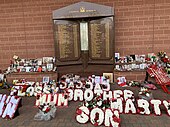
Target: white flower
(99,103)
(87,104)
(140,92)
(147,94)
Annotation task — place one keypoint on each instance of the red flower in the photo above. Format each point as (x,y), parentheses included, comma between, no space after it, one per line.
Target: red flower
(165,60)
(38,97)
(148,59)
(138,110)
(79,112)
(7,117)
(48,109)
(96,117)
(96,124)
(98,98)
(115,119)
(113,100)
(65,96)
(16,97)
(62,104)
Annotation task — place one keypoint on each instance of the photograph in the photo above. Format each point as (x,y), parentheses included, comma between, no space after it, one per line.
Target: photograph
(46,79)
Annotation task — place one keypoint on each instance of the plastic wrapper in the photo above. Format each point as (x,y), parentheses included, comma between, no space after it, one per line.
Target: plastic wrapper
(43,116)
(147,97)
(150,86)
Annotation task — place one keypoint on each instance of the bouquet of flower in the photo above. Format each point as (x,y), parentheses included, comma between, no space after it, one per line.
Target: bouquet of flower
(46,112)
(97,101)
(46,107)
(163,56)
(134,83)
(145,93)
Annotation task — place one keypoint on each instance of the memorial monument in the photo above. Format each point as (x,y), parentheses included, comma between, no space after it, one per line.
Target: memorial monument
(84,39)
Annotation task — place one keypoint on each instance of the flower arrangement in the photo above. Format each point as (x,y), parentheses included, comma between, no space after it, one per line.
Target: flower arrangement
(108,117)
(97,101)
(134,83)
(45,108)
(164,60)
(46,112)
(145,93)
(163,57)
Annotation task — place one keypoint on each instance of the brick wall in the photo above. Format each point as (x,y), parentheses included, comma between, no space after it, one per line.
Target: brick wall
(26,29)
(141,26)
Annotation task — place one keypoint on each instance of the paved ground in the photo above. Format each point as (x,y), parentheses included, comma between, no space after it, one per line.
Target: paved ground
(65,117)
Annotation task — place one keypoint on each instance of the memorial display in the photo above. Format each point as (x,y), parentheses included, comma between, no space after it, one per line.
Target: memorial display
(44,64)
(99,104)
(84,39)
(132,62)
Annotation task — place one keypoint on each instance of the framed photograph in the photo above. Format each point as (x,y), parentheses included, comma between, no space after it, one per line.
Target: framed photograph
(46,79)
(142,58)
(133,57)
(31,69)
(27,69)
(133,66)
(44,68)
(97,79)
(117,57)
(49,67)
(47,60)
(23,69)
(39,62)
(109,76)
